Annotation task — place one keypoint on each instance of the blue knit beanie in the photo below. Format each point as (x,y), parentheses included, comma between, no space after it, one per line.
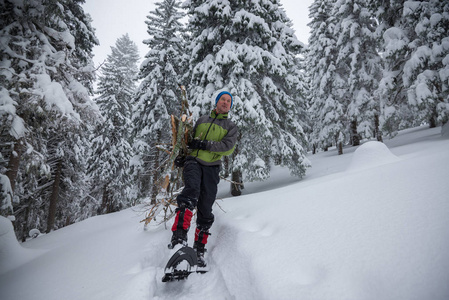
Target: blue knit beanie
(221,94)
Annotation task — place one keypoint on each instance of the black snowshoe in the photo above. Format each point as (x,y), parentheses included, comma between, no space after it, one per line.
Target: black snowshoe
(183,263)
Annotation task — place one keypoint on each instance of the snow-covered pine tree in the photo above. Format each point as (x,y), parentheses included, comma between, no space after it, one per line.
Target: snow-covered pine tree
(158,95)
(111,148)
(45,78)
(426,72)
(306,120)
(250,49)
(358,64)
(394,44)
(327,112)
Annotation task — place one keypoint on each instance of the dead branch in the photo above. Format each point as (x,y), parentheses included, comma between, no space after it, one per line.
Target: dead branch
(234,182)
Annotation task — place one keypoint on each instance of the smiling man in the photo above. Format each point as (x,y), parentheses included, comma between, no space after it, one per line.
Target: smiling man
(214,137)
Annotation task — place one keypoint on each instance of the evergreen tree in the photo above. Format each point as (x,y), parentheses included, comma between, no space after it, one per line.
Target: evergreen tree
(328,113)
(414,85)
(394,44)
(112,151)
(158,95)
(426,72)
(250,49)
(358,64)
(45,78)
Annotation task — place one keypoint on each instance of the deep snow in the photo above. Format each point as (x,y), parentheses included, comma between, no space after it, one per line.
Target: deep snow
(370,224)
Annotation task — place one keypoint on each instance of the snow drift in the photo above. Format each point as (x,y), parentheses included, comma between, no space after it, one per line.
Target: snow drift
(371,154)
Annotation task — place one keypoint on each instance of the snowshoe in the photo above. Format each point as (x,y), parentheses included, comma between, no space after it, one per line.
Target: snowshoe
(183,263)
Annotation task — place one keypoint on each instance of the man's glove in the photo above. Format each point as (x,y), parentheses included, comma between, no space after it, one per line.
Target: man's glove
(180,161)
(198,144)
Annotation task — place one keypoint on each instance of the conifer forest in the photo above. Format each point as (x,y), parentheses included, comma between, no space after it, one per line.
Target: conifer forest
(78,139)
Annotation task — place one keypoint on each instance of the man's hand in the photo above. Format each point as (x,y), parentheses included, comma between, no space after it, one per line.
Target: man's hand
(180,161)
(198,144)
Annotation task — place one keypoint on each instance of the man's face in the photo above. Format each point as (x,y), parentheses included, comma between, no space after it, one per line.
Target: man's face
(224,104)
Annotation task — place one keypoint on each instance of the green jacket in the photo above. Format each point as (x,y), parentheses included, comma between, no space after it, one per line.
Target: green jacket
(220,132)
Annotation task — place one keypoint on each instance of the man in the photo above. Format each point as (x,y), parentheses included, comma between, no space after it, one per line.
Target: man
(214,136)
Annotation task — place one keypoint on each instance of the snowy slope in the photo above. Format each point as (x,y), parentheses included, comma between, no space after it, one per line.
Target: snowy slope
(370,224)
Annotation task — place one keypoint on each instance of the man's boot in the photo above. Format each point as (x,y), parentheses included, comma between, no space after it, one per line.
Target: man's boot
(199,245)
(180,227)
(179,237)
(200,250)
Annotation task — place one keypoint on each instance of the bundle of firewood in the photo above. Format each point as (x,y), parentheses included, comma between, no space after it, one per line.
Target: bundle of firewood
(170,181)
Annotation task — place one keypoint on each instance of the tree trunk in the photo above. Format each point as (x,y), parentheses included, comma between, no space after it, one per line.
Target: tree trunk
(106,205)
(54,197)
(432,121)
(156,170)
(67,221)
(355,138)
(24,225)
(236,189)
(226,167)
(13,164)
(156,176)
(340,148)
(236,176)
(377,131)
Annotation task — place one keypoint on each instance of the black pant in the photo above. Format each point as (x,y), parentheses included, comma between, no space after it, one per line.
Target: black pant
(200,190)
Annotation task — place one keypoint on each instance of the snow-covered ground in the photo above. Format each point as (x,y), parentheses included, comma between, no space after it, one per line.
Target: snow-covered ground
(370,224)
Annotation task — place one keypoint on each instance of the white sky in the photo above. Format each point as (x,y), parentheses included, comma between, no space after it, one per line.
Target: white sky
(114,18)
